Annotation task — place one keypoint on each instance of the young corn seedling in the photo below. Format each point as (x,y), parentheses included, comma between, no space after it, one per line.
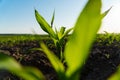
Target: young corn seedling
(78,46)
(76,50)
(56,36)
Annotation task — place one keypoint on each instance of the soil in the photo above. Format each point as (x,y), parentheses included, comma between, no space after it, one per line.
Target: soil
(102,62)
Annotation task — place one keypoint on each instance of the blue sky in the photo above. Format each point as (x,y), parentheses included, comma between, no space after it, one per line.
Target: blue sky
(17,16)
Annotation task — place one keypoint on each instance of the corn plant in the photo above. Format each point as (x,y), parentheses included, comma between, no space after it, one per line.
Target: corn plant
(76,50)
(56,36)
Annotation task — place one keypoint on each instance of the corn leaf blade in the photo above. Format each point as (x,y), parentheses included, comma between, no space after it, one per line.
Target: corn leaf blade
(115,76)
(53,17)
(11,65)
(67,32)
(61,32)
(83,36)
(105,13)
(44,25)
(56,63)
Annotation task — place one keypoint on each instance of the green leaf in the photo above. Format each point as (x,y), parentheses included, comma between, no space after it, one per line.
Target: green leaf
(56,31)
(26,73)
(115,76)
(61,32)
(53,18)
(67,32)
(56,63)
(105,13)
(44,25)
(86,27)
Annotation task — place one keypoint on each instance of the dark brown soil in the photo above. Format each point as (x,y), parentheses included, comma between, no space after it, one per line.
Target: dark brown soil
(102,62)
